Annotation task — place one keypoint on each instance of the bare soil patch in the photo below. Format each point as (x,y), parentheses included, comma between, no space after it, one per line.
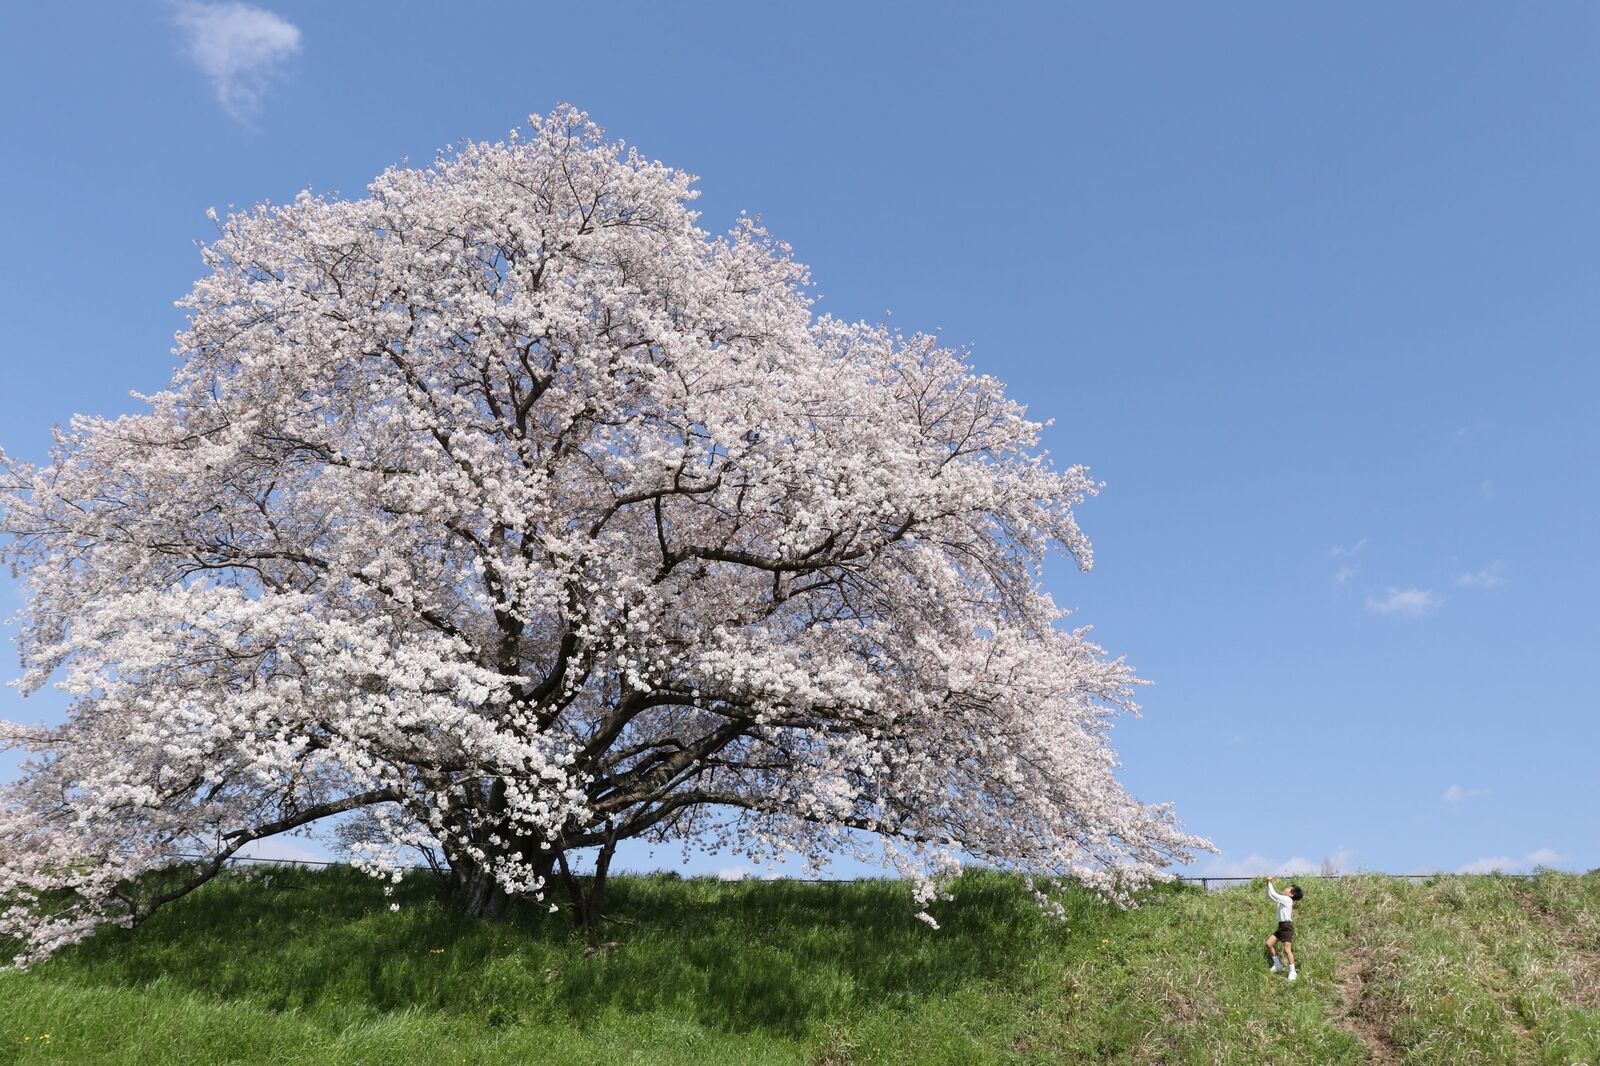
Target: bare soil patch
(1362,1016)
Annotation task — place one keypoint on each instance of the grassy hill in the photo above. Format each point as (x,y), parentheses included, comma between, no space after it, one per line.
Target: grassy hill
(300,966)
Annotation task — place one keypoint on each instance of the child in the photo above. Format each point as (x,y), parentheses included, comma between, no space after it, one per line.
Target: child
(1285,930)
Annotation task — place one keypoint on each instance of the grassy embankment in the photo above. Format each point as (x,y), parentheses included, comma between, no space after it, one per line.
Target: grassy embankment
(314,967)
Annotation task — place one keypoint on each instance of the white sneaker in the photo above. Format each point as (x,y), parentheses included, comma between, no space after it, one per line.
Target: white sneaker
(1291,974)
(1277,967)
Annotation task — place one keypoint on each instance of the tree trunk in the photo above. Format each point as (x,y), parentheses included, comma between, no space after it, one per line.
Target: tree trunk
(597,895)
(587,912)
(580,912)
(481,895)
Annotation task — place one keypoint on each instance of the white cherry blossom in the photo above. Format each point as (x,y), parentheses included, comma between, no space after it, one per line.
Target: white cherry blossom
(508,507)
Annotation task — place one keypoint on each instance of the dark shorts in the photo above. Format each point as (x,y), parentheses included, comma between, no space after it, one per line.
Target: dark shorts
(1285,932)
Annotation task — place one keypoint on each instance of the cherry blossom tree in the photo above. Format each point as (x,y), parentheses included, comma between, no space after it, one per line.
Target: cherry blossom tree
(513,511)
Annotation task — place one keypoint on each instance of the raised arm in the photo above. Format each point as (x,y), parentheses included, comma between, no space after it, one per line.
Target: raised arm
(1276,896)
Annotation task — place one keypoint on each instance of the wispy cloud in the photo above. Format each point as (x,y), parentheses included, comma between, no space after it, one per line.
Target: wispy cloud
(1340,551)
(1487,578)
(1459,794)
(1410,602)
(1505,864)
(1349,568)
(240,47)
(1338,862)
(1256,865)
(281,849)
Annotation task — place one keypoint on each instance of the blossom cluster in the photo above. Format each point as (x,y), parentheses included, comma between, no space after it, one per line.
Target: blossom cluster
(508,508)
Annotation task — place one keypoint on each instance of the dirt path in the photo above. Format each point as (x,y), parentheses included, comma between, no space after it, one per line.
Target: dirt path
(1359,1017)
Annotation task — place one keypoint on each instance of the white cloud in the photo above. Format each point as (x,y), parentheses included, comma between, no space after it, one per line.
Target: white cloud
(1347,570)
(280,849)
(1487,578)
(733,873)
(1256,865)
(1339,551)
(1411,602)
(1339,861)
(239,47)
(1458,794)
(1503,864)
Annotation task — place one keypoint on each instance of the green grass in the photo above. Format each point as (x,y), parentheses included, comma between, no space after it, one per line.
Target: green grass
(314,967)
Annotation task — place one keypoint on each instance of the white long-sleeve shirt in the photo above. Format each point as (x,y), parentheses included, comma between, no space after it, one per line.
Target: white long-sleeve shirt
(1285,904)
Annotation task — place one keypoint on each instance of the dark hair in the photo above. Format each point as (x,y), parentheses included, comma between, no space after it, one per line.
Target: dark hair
(1296,893)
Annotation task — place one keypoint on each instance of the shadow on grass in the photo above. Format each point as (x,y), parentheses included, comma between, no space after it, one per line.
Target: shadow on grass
(777,956)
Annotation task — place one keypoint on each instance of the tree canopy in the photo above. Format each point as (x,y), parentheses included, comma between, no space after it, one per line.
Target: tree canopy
(510,509)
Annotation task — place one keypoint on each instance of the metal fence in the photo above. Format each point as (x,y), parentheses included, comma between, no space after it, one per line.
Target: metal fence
(1207,882)
(1223,882)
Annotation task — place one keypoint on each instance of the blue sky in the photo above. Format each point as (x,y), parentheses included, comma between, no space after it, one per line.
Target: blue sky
(1311,289)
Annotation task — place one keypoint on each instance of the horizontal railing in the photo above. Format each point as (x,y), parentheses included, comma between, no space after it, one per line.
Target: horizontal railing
(1205,881)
